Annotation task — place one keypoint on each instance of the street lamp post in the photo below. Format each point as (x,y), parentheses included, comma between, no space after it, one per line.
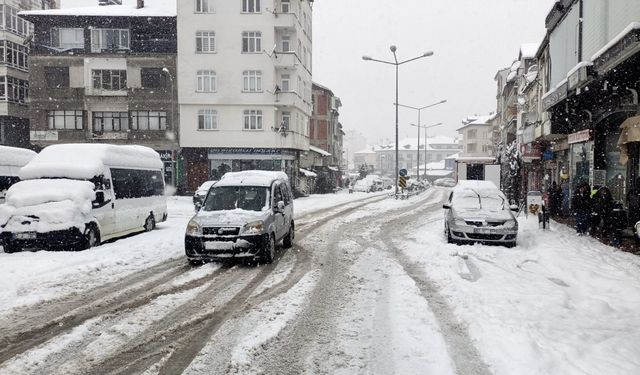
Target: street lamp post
(425,143)
(419,109)
(396,63)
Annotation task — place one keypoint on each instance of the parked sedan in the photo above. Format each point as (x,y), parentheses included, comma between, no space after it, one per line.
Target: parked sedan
(477,211)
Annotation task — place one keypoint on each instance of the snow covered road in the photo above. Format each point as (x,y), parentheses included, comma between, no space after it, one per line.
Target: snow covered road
(370,287)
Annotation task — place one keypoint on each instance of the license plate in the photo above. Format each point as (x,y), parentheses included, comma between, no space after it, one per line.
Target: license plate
(25,236)
(485,231)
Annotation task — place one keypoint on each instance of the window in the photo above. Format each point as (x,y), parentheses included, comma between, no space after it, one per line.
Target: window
(284,82)
(148,120)
(136,183)
(56,77)
(286,6)
(252,119)
(67,38)
(252,81)
(65,120)
(286,43)
(251,41)
(286,120)
(110,121)
(205,41)
(153,78)
(112,80)
(207,81)
(13,55)
(204,6)
(12,22)
(471,147)
(207,119)
(472,134)
(13,89)
(251,6)
(109,39)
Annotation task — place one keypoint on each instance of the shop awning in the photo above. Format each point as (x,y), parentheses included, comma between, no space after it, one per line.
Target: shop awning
(629,132)
(308,173)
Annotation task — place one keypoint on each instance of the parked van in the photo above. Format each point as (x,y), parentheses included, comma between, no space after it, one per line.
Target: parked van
(11,160)
(244,215)
(78,195)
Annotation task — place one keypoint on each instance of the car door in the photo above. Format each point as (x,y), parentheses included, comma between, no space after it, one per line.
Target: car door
(279,217)
(104,211)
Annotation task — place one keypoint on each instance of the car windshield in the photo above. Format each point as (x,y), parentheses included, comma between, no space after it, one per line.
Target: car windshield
(250,198)
(483,200)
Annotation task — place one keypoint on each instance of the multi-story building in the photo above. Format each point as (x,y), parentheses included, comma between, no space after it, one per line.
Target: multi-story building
(245,86)
(105,74)
(476,133)
(438,148)
(325,129)
(14,70)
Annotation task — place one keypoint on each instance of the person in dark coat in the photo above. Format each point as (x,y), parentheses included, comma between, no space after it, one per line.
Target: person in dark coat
(555,199)
(581,204)
(633,200)
(602,205)
(616,223)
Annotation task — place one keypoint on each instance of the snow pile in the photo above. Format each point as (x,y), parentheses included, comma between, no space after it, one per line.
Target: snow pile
(84,161)
(54,204)
(15,156)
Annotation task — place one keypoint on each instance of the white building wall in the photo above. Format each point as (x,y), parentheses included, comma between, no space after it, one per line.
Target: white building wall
(603,20)
(563,46)
(228,22)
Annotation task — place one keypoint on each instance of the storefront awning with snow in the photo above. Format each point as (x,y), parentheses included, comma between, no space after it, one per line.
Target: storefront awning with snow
(629,132)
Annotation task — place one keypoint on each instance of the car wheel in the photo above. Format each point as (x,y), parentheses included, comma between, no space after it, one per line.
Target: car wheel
(449,238)
(287,242)
(91,237)
(269,250)
(149,224)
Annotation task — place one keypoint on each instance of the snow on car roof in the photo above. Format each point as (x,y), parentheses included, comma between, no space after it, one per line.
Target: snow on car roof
(476,185)
(251,178)
(84,161)
(15,156)
(206,185)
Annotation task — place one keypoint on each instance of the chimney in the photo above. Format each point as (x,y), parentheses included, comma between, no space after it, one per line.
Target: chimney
(140,4)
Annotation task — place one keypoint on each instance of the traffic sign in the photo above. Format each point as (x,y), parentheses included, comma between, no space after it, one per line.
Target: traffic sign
(402,182)
(403,172)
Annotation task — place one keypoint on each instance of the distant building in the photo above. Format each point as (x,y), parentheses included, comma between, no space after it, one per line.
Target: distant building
(438,149)
(14,70)
(325,129)
(105,74)
(477,136)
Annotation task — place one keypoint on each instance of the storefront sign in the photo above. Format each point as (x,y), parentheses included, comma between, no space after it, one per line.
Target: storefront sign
(531,152)
(555,97)
(249,151)
(620,51)
(581,136)
(166,155)
(110,135)
(43,135)
(528,135)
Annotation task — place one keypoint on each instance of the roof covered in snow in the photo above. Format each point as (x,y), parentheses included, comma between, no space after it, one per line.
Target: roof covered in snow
(152,8)
(529,50)
(14,156)
(408,144)
(477,120)
(251,178)
(84,161)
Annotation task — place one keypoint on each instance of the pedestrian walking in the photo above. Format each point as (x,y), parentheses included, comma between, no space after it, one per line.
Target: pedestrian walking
(602,205)
(555,199)
(633,201)
(617,223)
(582,208)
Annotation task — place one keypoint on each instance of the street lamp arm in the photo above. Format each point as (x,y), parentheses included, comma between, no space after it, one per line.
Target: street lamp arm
(367,58)
(415,58)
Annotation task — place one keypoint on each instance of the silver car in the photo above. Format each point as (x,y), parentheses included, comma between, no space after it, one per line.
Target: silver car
(477,211)
(244,215)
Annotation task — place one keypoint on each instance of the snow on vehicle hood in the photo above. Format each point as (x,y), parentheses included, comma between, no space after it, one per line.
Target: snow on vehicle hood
(480,215)
(238,217)
(46,205)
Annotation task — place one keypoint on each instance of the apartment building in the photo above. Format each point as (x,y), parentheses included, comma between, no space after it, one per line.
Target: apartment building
(245,86)
(106,74)
(14,69)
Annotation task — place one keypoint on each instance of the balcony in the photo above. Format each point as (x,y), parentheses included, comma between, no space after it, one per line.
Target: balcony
(285,59)
(285,21)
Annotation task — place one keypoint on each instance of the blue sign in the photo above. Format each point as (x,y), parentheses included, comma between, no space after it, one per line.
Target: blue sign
(403,172)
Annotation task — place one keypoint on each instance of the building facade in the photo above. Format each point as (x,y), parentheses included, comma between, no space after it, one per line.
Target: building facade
(105,79)
(438,148)
(325,129)
(14,70)
(476,134)
(245,86)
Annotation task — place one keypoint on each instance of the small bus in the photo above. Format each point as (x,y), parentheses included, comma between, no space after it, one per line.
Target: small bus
(79,195)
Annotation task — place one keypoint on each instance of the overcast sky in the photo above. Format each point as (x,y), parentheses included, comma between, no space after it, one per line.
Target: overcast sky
(471,40)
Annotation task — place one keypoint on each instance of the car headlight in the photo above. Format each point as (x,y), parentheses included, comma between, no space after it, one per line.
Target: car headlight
(194,229)
(510,224)
(255,227)
(460,222)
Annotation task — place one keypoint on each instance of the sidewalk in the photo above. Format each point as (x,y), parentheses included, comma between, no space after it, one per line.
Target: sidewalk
(628,243)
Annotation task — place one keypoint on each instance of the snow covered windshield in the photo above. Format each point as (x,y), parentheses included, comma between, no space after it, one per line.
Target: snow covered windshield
(250,198)
(484,200)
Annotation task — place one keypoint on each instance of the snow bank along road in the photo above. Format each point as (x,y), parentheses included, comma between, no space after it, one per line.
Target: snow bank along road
(370,287)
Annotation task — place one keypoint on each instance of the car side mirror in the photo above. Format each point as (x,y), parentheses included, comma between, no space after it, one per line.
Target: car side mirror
(198,206)
(99,201)
(280,206)
(514,207)
(446,206)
